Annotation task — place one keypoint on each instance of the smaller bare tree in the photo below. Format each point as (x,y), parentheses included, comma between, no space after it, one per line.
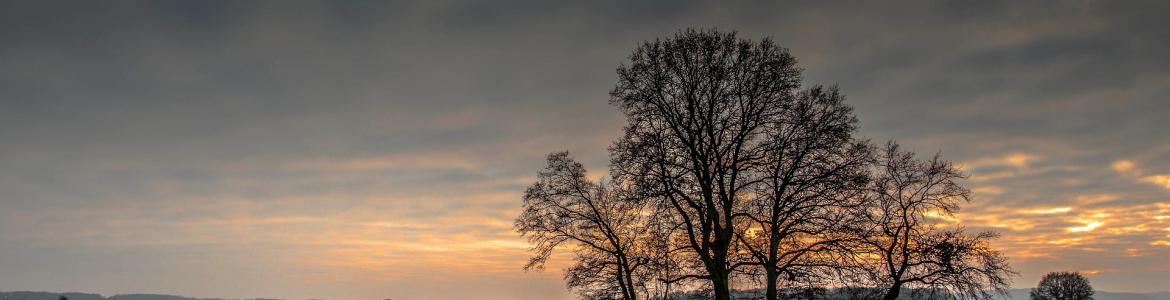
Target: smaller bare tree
(606,233)
(1063,286)
(911,248)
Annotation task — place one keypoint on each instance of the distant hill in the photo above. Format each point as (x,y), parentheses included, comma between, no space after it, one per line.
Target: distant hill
(84,296)
(48,296)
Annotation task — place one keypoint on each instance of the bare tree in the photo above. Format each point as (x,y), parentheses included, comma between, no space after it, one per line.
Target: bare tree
(813,172)
(912,249)
(605,232)
(698,106)
(1063,286)
(726,174)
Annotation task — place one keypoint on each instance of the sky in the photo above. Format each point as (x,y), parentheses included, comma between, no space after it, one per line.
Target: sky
(368,150)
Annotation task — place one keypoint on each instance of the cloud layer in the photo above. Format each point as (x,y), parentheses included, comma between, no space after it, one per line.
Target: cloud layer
(363,150)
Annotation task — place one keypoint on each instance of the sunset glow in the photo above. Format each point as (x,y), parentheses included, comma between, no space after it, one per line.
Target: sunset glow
(365,150)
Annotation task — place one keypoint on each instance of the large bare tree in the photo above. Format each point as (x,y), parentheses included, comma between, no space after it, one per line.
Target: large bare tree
(911,248)
(729,173)
(606,233)
(698,106)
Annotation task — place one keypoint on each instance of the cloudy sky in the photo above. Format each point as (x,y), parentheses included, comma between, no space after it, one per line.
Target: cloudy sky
(358,150)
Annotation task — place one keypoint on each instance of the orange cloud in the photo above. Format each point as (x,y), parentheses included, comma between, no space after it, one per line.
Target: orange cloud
(1048,211)
(1123,166)
(1128,168)
(1018,160)
(1087,227)
(1162,180)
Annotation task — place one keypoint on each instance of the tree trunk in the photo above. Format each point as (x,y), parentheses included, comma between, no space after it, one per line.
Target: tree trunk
(893,292)
(633,295)
(720,277)
(718,269)
(772,290)
(622,283)
(721,287)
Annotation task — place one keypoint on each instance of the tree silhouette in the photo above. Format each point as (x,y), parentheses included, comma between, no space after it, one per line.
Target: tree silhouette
(911,249)
(813,170)
(728,172)
(1063,286)
(697,106)
(563,206)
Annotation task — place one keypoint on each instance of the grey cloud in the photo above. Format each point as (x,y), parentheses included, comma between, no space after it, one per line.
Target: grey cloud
(179,111)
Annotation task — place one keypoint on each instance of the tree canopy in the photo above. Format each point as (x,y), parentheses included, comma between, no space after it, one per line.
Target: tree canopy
(1063,286)
(730,174)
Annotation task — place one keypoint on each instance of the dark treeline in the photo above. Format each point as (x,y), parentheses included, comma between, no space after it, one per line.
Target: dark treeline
(733,175)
